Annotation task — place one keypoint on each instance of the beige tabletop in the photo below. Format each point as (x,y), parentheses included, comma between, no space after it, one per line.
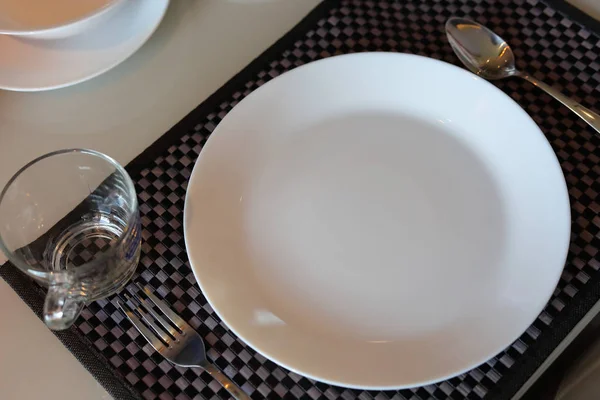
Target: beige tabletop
(198,47)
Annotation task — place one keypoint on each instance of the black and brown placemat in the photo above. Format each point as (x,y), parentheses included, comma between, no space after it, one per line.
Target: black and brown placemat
(562,50)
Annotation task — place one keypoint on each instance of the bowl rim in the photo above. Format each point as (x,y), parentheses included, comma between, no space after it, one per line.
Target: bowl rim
(49,29)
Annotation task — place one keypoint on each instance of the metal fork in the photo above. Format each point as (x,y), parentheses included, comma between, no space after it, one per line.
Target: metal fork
(176,341)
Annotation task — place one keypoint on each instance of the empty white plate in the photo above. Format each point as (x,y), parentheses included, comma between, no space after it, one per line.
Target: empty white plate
(377,220)
(33,65)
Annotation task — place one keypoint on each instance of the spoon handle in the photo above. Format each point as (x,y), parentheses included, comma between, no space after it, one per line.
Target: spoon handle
(584,113)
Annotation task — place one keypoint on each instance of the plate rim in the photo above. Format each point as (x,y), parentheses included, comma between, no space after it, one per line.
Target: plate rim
(489,86)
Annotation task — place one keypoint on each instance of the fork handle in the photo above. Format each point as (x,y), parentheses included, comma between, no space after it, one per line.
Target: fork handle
(227,383)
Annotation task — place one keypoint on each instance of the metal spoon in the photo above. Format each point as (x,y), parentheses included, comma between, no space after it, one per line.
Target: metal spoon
(489,56)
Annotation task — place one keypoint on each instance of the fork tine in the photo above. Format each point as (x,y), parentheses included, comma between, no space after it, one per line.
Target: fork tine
(139,325)
(162,335)
(172,331)
(176,319)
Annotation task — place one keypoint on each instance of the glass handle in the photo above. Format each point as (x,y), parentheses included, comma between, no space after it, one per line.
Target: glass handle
(60,308)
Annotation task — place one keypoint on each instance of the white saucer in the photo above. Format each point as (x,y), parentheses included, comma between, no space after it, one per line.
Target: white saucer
(34,65)
(377,220)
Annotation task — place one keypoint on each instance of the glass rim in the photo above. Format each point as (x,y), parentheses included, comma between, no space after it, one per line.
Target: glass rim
(12,257)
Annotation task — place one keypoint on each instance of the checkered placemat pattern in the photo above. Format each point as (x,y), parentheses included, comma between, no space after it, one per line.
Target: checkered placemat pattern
(547,44)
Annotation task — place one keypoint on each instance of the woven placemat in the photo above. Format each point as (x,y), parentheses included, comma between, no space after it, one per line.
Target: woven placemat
(550,45)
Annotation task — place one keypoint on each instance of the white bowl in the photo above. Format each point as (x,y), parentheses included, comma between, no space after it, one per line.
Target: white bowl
(56,19)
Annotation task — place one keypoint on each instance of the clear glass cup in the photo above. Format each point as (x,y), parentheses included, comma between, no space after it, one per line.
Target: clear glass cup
(70,220)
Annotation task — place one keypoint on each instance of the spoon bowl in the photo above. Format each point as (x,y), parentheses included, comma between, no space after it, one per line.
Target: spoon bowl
(481,50)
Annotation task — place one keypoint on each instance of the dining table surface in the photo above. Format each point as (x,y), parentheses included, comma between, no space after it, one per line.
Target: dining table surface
(199,45)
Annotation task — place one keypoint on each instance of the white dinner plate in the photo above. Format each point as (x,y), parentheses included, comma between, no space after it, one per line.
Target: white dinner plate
(33,65)
(377,220)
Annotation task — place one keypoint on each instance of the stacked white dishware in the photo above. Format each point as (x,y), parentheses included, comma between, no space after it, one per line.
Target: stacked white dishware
(52,44)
